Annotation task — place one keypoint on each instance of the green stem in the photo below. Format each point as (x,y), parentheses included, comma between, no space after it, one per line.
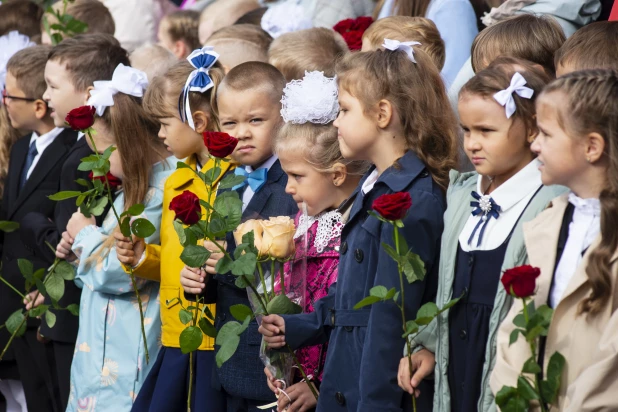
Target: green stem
(282,275)
(263,282)
(12,287)
(302,371)
(533,351)
(272,279)
(13,336)
(190,381)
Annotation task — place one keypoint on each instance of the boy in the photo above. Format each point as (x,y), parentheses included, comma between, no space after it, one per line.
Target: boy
(73,66)
(249,103)
(91,12)
(34,173)
(594,46)
(152,59)
(178,32)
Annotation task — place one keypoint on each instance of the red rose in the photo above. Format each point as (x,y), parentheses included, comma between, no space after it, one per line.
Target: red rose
(220,144)
(393,206)
(352,31)
(80,118)
(362,23)
(344,26)
(520,281)
(113,181)
(354,40)
(187,207)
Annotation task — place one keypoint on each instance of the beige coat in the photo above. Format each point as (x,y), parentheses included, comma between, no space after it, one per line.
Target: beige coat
(589,344)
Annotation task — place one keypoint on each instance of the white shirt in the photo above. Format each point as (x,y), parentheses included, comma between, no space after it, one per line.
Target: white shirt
(583,229)
(370,182)
(248,193)
(42,142)
(512,196)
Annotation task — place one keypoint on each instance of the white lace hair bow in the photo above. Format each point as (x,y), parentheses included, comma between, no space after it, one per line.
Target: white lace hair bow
(10,44)
(312,99)
(406,46)
(284,18)
(125,80)
(505,97)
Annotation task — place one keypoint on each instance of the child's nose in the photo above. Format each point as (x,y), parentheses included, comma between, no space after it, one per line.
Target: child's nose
(161,133)
(243,132)
(289,188)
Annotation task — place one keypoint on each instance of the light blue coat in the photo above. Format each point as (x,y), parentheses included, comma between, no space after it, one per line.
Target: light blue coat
(109,364)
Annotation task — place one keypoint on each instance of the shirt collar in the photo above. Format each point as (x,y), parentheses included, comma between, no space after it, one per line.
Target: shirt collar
(46,139)
(590,207)
(520,185)
(266,165)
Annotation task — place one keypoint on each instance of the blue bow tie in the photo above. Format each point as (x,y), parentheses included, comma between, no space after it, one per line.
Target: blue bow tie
(255,179)
(489,208)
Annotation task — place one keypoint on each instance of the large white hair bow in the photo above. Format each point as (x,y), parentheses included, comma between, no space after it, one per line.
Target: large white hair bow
(125,80)
(285,17)
(312,99)
(406,46)
(10,44)
(505,97)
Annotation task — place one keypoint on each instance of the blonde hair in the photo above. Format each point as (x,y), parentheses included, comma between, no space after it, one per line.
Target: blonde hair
(594,46)
(182,25)
(307,50)
(319,144)
(222,13)
(28,68)
(92,12)
(526,36)
(240,43)
(418,96)
(255,75)
(407,28)
(8,137)
(416,8)
(152,59)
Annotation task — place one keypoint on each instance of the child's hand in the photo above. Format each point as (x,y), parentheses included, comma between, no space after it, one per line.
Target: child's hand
(273,331)
(127,252)
(77,222)
(30,302)
(273,384)
(64,248)
(300,398)
(192,280)
(215,256)
(423,364)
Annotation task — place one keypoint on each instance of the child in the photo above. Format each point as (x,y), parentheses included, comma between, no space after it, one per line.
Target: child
(22,16)
(34,174)
(153,59)
(91,12)
(307,50)
(319,177)
(594,46)
(497,138)
(248,101)
(166,387)
(178,32)
(574,243)
(240,43)
(381,96)
(71,69)
(405,28)
(109,365)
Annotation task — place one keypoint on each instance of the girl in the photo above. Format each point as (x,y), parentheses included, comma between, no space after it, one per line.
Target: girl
(319,177)
(166,387)
(496,110)
(109,365)
(574,243)
(395,114)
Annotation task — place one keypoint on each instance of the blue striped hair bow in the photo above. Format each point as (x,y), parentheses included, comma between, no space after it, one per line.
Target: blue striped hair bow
(198,81)
(489,208)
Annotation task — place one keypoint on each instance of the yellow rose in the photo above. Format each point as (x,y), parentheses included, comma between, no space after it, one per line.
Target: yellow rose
(278,238)
(250,225)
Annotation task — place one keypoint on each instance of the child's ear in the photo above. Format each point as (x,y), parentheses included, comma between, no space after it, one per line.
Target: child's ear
(180,49)
(87,95)
(533,132)
(595,147)
(385,113)
(200,119)
(339,173)
(40,109)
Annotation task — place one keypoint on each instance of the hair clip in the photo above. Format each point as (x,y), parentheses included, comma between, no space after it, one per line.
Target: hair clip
(198,81)
(406,46)
(125,79)
(505,97)
(310,100)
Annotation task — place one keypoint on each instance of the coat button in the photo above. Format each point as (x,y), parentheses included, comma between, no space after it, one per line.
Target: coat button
(471,260)
(463,334)
(344,248)
(425,173)
(359,255)
(340,398)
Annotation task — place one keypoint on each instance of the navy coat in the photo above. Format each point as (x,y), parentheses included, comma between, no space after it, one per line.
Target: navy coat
(243,374)
(365,345)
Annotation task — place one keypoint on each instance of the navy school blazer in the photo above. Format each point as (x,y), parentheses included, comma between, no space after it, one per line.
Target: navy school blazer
(364,349)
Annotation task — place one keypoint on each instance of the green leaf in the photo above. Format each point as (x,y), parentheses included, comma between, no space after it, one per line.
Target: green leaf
(228,339)
(125,226)
(217,226)
(450,304)
(14,321)
(224,265)
(526,390)
(206,312)
(74,309)
(84,182)
(142,228)
(551,386)
(396,297)
(391,252)
(194,256)
(107,153)
(136,209)
(244,265)
(99,206)
(413,267)
(54,284)
(531,366)
(240,312)
(227,201)
(411,328)
(369,300)
(244,281)
(183,165)
(39,274)
(520,321)
(230,181)
(426,313)
(211,175)
(64,195)
(207,327)
(282,305)
(205,204)
(38,311)
(25,268)
(514,334)
(192,234)
(378,292)
(56,38)
(190,339)
(76,26)
(50,319)
(65,270)
(180,231)
(8,227)
(185,316)
(509,400)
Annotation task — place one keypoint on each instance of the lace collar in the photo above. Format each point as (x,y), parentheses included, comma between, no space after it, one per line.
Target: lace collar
(329,227)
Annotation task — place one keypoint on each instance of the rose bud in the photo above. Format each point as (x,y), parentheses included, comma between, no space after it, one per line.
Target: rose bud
(81,118)
(394,206)
(187,207)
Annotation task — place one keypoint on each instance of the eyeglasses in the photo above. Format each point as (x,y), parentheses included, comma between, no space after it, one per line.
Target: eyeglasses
(5,97)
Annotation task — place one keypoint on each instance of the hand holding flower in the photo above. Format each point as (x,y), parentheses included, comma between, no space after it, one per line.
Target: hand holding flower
(215,256)
(129,251)
(77,222)
(64,248)
(192,280)
(273,331)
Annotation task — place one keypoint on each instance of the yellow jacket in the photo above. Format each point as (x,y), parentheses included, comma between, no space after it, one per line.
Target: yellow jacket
(162,262)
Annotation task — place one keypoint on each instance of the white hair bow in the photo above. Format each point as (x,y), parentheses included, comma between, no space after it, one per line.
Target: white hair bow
(505,97)
(10,44)
(406,46)
(310,100)
(125,80)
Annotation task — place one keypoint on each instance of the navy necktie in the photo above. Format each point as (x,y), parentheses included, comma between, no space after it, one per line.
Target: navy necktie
(32,152)
(488,208)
